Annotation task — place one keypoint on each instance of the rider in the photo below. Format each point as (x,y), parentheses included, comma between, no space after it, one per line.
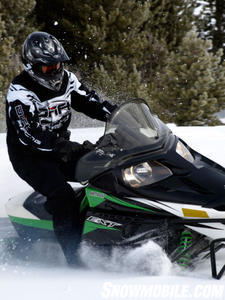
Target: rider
(38,112)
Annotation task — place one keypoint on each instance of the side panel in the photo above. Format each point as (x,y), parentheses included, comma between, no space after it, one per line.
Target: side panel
(96,197)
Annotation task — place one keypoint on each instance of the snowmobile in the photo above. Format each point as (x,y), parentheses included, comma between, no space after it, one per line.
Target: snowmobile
(141,183)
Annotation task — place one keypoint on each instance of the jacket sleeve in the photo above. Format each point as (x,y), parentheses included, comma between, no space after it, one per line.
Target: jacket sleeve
(22,115)
(88,102)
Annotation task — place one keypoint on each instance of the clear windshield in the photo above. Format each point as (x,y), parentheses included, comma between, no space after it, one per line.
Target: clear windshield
(133,125)
(131,130)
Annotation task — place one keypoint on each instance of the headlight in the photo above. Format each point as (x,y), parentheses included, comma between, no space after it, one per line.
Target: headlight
(145,173)
(184,152)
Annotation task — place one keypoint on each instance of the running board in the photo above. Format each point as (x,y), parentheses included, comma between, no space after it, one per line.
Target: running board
(213,250)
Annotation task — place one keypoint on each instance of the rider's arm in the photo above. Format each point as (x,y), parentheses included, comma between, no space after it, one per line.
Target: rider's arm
(22,114)
(89,103)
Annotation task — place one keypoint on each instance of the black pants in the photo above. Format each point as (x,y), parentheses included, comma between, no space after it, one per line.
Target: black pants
(49,177)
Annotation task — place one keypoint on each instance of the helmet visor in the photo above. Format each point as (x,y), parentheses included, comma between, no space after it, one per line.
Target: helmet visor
(49,69)
(50,76)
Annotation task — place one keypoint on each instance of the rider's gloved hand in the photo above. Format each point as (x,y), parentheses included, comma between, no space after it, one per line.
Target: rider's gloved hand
(108,140)
(110,107)
(65,134)
(66,150)
(71,151)
(88,146)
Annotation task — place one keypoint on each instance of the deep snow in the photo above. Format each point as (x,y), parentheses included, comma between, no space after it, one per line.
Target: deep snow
(44,275)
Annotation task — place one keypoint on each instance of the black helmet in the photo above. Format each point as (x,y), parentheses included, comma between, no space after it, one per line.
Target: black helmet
(43,56)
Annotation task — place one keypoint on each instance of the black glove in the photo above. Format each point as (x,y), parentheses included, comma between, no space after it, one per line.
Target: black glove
(88,146)
(107,141)
(110,107)
(71,151)
(65,134)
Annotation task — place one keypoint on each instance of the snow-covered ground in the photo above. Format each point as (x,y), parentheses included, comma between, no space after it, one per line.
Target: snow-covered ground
(44,275)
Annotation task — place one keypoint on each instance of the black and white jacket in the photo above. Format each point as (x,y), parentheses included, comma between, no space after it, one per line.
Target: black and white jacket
(36,115)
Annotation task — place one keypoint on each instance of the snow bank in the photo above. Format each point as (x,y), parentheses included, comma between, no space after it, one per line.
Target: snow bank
(119,277)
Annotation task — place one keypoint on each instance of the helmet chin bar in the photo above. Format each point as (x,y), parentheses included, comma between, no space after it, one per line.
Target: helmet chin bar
(56,85)
(52,84)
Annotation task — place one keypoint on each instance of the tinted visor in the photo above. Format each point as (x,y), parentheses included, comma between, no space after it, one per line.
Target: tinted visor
(48,69)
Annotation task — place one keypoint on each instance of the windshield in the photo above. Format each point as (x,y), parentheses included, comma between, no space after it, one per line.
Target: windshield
(133,125)
(131,129)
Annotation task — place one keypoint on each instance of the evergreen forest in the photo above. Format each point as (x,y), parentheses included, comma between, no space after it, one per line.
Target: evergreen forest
(169,52)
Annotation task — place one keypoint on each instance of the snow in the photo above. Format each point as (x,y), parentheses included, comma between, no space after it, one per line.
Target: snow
(142,273)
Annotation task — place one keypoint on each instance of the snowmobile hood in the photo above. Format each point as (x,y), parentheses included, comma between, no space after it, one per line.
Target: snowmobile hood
(131,130)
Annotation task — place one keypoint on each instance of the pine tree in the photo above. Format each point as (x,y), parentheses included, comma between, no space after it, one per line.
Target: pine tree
(212,23)
(117,45)
(171,20)
(6,50)
(13,30)
(128,53)
(190,91)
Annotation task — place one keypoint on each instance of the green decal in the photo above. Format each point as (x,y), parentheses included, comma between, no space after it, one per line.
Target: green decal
(90,226)
(42,224)
(84,203)
(124,203)
(96,197)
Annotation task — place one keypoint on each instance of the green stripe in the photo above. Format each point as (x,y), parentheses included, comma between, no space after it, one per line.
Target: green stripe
(96,197)
(124,203)
(90,226)
(84,203)
(42,224)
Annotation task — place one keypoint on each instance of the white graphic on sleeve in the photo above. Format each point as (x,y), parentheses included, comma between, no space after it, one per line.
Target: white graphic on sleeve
(24,125)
